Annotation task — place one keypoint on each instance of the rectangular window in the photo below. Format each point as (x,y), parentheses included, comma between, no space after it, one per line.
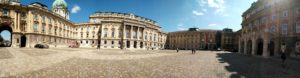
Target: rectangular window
(134,35)
(105,34)
(285,13)
(50,20)
(5,12)
(50,29)
(44,18)
(35,27)
(273,17)
(298,27)
(127,34)
(284,29)
(35,16)
(113,34)
(298,10)
(43,28)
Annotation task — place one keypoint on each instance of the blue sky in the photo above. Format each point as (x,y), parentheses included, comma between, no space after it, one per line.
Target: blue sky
(172,15)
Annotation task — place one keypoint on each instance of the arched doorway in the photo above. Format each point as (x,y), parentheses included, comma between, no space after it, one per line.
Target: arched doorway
(271,47)
(141,44)
(242,47)
(23,41)
(6,34)
(128,44)
(135,44)
(260,46)
(249,47)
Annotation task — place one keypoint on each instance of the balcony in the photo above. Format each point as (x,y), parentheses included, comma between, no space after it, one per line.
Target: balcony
(5,20)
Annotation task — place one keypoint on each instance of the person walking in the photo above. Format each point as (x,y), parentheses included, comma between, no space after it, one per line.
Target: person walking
(177,50)
(283,55)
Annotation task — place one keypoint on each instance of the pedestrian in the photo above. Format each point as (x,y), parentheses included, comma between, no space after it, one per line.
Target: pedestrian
(283,55)
(192,51)
(177,50)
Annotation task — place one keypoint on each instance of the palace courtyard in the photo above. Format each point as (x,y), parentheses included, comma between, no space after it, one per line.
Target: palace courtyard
(93,63)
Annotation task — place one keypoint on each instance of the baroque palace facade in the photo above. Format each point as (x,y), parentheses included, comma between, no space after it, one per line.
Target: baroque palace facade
(35,24)
(270,24)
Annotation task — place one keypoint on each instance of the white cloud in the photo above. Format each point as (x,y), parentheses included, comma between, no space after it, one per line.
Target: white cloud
(197,13)
(217,5)
(181,27)
(75,9)
(211,25)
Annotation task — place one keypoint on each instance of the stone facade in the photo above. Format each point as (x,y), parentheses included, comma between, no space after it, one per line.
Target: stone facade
(192,39)
(229,40)
(34,24)
(267,25)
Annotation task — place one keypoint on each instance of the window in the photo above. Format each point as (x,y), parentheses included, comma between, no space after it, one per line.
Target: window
(44,18)
(105,33)
(50,29)
(43,28)
(87,34)
(50,20)
(298,27)
(284,29)
(134,35)
(298,10)
(285,13)
(113,33)
(105,42)
(6,12)
(154,37)
(35,16)
(127,34)
(146,36)
(273,28)
(55,30)
(35,27)
(140,35)
(120,33)
(273,17)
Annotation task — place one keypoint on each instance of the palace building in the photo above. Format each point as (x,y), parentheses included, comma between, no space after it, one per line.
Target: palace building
(269,25)
(35,24)
(193,38)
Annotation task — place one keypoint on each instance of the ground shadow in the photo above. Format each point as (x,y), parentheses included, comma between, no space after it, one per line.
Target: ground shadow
(245,66)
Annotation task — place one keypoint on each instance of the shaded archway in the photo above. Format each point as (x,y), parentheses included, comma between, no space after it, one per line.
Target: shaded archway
(128,44)
(23,41)
(260,47)
(271,47)
(135,44)
(6,43)
(249,47)
(141,44)
(242,47)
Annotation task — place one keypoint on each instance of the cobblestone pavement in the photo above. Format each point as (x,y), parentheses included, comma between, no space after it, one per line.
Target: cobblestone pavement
(91,63)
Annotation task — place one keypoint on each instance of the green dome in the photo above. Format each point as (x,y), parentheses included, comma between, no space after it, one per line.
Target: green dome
(57,3)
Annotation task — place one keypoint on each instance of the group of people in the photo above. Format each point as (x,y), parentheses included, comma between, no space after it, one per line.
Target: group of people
(193,51)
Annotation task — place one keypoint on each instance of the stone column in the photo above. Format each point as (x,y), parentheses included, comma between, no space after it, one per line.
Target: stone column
(245,47)
(265,48)
(131,36)
(253,46)
(137,33)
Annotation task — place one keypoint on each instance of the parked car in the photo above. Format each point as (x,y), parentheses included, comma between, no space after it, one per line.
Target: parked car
(44,46)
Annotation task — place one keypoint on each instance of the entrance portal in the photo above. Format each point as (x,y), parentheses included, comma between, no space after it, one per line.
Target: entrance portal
(260,46)
(23,41)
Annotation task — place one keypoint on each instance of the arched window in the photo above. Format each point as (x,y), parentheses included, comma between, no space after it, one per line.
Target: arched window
(113,32)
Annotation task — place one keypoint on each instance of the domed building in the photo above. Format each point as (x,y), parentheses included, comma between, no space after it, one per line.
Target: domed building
(35,24)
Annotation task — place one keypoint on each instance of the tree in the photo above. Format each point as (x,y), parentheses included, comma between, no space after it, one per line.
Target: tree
(1,38)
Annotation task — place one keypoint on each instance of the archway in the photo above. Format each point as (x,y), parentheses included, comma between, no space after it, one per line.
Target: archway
(23,41)
(6,34)
(271,47)
(141,44)
(260,46)
(135,44)
(128,44)
(249,47)
(242,47)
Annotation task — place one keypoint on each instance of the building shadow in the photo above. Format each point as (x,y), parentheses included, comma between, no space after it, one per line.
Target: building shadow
(245,66)
(242,66)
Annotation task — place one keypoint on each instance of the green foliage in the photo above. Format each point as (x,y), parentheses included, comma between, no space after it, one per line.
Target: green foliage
(1,38)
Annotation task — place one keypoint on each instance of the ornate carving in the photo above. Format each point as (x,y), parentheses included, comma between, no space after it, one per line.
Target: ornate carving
(5,20)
